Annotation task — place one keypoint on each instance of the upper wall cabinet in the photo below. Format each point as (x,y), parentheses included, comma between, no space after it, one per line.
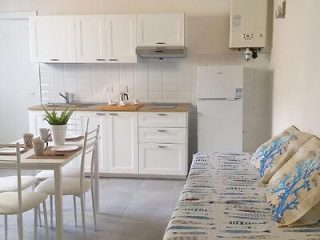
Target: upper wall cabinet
(121,38)
(161,29)
(91,38)
(52,39)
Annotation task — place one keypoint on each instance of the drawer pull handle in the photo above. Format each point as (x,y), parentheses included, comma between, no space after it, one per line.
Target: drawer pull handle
(162,114)
(100,114)
(162,131)
(160,43)
(113,114)
(101,59)
(54,59)
(113,60)
(162,147)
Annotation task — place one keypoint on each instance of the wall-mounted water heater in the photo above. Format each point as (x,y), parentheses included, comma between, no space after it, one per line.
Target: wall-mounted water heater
(248,26)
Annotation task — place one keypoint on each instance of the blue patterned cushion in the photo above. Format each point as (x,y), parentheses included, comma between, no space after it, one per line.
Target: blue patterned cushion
(295,189)
(272,155)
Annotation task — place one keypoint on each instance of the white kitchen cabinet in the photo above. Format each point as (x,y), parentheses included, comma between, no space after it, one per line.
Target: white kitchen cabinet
(161,29)
(163,143)
(132,143)
(94,120)
(91,38)
(162,119)
(122,142)
(162,159)
(52,39)
(162,135)
(121,38)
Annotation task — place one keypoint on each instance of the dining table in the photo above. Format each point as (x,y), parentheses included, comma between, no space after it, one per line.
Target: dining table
(56,164)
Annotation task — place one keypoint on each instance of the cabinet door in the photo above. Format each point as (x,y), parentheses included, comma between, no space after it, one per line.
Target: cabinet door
(162,159)
(161,30)
(91,39)
(121,38)
(94,120)
(52,39)
(122,142)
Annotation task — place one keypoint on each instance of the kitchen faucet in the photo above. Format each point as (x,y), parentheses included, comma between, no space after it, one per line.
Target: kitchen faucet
(66,96)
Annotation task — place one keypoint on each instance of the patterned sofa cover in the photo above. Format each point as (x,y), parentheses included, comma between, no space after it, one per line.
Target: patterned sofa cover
(222,199)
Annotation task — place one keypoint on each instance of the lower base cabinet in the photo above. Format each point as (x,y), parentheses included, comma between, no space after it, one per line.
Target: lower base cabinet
(122,142)
(132,143)
(162,159)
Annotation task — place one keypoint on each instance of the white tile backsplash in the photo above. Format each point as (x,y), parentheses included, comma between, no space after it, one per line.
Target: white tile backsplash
(147,82)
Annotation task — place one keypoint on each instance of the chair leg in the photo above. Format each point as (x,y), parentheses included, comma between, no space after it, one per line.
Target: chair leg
(83,216)
(20,226)
(6,227)
(35,225)
(94,209)
(51,211)
(45,219)
(75,210)
(39,214)
(39,211)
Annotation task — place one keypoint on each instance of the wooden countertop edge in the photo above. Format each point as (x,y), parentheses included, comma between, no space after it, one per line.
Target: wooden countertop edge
(181,107)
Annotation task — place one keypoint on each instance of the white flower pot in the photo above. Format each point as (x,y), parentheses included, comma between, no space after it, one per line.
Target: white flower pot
(58,133)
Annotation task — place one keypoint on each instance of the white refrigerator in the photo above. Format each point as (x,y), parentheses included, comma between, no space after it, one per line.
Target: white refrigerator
(220,108)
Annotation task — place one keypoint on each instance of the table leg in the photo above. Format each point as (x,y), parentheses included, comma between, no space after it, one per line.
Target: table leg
(58,203)
(96,180)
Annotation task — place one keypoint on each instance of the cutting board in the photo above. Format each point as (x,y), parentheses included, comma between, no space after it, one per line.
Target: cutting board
(128,107)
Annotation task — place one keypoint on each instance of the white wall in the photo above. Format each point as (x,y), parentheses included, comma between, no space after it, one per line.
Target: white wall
(296,67)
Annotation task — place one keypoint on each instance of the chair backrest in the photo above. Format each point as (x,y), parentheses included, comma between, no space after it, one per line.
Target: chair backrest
(90,147)
(11,164)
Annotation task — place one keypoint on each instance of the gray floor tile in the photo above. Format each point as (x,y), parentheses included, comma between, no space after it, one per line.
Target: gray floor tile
(131,209)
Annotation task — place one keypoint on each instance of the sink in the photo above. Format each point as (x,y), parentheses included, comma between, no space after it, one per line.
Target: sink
(163,105)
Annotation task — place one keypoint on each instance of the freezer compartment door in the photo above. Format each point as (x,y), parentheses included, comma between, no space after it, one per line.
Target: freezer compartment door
(220,126)
(222,82)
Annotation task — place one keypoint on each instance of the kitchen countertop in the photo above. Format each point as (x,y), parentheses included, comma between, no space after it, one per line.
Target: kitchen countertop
(181,107)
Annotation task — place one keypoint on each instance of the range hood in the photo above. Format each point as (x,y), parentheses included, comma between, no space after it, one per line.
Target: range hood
(161,52)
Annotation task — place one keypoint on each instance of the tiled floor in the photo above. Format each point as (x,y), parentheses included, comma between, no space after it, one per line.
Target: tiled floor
(131,209)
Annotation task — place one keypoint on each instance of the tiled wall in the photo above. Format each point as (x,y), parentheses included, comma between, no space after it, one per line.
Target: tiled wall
(147,82)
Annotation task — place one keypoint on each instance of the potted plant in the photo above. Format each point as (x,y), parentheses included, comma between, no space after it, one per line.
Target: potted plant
(58,124)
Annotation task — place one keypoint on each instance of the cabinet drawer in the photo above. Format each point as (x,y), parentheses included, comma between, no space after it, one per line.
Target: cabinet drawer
(162,159)
(162,119)
(162,135)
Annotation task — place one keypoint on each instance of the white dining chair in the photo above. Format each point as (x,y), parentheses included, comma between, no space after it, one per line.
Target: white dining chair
(18,202)
(78,186)
(9,183)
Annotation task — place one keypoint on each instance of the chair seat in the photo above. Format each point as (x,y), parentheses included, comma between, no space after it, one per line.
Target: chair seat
(9,184)
(66,172)
(70,186)
(9,201)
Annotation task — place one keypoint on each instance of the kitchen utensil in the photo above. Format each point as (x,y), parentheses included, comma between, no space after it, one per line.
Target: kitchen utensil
(45,134)
(39,146)
(27,138)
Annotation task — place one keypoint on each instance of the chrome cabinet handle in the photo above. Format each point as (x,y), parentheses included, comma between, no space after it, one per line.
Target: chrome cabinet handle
(101,59)
(54,59)
(162,131)
(160,43)
(162,147)
(100,114)
(114,114)
(113,60)
(162,114)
